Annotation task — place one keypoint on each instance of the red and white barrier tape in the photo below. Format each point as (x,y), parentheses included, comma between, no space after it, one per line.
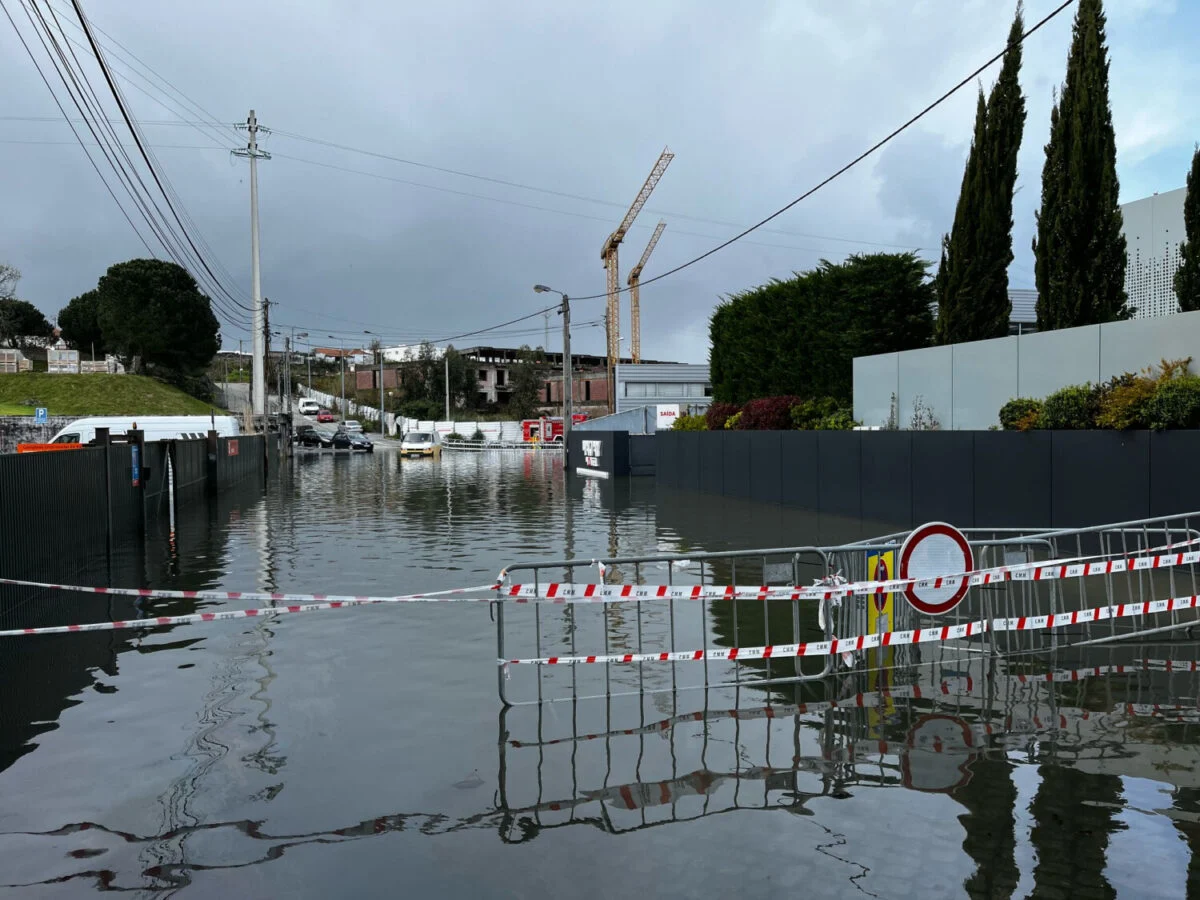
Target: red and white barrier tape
(196,618)
(450,596)
(564,592)
(872,641)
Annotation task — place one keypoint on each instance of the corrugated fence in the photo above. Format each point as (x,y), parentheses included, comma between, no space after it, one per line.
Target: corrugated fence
(52,504)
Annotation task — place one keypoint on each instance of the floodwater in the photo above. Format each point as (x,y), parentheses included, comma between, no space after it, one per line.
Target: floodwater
(365,751)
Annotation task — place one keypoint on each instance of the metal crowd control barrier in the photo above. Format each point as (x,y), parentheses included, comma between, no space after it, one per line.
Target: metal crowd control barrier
(628,766)
(651,625)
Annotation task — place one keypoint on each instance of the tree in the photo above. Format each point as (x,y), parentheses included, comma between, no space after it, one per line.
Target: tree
(22,323)
(1079,248)
(961,248)
(152,313)
(799,337)
(526,380)
(9,276)
(80,323)
(1187,279)
(972,282)
(464,386)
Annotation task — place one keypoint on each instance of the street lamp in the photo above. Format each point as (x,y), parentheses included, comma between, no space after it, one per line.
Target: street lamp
(568,385)
(342,342)
(303,334)
(380,339)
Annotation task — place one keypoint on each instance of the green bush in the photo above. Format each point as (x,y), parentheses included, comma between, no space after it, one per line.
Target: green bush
(455,436)
(838,420)
(1073,407)
(733,422)
(478,436)
(1018,411)
(1175,404)
(806,414)
(690,423)
(1124,402)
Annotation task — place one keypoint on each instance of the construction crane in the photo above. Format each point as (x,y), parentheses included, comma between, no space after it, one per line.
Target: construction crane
(635,307)
(608,253)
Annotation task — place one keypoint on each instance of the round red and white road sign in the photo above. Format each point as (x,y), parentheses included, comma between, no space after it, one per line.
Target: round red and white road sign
(933,551)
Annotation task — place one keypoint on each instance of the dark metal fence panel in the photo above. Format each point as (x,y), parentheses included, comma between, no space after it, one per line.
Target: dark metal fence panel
(154,470)
(191,465)
(126,499)
(52,502)
(238,458)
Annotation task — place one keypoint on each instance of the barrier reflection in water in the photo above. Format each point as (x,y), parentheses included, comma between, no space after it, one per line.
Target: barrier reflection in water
(953,726)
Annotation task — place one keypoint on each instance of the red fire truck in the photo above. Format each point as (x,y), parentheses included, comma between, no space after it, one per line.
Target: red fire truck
(547,428)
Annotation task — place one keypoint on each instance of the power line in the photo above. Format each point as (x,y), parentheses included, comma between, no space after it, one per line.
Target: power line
(848,166)
(555,193)
(137,137)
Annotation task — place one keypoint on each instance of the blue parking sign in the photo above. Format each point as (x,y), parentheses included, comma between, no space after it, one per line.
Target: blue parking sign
(40,416)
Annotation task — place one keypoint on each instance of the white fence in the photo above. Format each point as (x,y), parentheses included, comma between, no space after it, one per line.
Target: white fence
(493,432)
(966,384)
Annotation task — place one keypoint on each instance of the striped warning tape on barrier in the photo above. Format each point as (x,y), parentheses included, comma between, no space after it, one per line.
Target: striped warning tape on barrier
(450,596)
(886,639)
(566,592)
(196,618)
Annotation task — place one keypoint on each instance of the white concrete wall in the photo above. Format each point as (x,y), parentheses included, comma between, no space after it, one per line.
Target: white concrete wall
(966,384)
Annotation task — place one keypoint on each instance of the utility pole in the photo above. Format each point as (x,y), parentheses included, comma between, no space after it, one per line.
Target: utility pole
(568,380)
(266,348)
(382,430)
(446,360)
(258,390)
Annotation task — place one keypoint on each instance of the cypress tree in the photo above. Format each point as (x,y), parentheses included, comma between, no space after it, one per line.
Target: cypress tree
(1187,279)
(961,248)
(1005,128)
(972,285)
(1079,247)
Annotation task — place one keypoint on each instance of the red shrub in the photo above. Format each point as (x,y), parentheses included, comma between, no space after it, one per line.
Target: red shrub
(768,414)
(717,414)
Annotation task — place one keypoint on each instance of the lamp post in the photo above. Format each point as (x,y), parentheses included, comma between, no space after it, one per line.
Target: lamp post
(342,343)
(568,386)
(380,339)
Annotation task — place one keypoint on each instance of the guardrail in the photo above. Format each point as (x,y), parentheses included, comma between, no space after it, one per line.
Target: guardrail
(481,446)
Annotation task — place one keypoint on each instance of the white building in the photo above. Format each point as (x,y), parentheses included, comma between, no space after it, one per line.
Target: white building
(1153,230)
(651,384)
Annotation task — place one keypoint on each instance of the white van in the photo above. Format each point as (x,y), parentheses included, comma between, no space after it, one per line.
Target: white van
(156,428)
(307,406)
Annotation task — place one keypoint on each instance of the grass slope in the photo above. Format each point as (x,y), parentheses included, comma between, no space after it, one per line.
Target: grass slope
(94,395)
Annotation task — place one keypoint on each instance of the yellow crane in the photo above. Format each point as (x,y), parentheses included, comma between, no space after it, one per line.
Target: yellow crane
(608,253)
(635,306)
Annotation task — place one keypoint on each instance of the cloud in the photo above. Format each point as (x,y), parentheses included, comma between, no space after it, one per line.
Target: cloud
(759,100)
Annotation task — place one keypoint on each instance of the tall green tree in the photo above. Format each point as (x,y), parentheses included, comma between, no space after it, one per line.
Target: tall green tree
(80,323)
(958,284)
(152,314)
(800,336)
(972,282)
(1080,250)
(22,324)
(1187,279)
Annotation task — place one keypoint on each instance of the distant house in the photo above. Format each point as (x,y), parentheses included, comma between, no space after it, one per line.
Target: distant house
(355,357)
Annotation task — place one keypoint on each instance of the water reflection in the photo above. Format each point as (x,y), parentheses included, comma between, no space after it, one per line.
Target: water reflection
(322,755)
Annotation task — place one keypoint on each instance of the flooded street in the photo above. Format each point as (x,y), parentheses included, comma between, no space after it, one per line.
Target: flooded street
(365,751)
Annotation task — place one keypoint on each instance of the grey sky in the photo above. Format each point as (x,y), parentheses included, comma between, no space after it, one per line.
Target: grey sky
(758,100)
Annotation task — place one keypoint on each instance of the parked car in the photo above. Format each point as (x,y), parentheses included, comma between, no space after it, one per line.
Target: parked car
(358,443)
(324,415)
(307,436)
(352,426)
(307,406)
(418,443)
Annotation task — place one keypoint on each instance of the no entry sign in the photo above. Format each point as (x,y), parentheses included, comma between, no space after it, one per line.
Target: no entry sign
(930,552)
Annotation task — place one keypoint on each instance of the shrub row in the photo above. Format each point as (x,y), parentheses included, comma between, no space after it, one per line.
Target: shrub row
(1163,399)
(772,414)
